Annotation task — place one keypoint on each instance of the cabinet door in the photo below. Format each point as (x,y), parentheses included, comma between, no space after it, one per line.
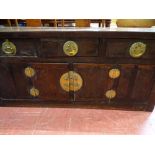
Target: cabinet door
(132,85)
(37,81)
(47,81)
(40,81)
(7,85)
(95,81)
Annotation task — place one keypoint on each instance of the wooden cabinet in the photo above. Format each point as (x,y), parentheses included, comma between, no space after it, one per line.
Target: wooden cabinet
(106,69)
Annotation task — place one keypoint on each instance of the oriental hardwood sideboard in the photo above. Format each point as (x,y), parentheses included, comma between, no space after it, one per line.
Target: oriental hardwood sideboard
(112,68)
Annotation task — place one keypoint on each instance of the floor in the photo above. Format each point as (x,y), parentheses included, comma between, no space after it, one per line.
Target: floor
(21,120)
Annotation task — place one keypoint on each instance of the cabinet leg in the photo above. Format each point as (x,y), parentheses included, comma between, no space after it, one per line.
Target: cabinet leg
(149,107)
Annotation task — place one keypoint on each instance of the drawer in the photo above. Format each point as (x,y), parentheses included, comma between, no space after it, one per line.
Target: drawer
(130,48)
(18,47)
(81,47)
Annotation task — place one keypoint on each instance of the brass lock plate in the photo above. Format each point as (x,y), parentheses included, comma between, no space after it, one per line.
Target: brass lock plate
(110,94)
(34,92)
(8,48)
(29,72)
(114,73)
(137,49)
(71,81)
(70,48)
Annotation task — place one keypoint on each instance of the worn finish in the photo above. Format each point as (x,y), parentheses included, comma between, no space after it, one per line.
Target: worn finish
(110,77)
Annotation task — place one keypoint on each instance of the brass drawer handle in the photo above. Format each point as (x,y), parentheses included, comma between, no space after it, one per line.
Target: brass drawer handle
(29,72)
(110,94)
(8,48)
(137,49)
(114,73)
(70,48)
(34,92)
(71,81)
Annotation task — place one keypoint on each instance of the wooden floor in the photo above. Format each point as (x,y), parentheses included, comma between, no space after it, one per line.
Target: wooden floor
(21,120)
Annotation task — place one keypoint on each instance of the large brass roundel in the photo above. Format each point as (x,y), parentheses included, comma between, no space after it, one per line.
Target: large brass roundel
(71,81)
(114,73)
(137,49)
(29,72)
(8,48)
(70,48)
(110,94)
(34,92)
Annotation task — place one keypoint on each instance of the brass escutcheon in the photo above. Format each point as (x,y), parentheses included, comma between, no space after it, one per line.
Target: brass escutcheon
(34,92)
(71,81)
(70,48)
(29,72)
(137,49)
(8,47)
(110,94)
(114,73)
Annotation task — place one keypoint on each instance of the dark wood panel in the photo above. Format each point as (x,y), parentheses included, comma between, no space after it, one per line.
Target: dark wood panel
(54,47)
(24,47)
(143,83)
(22,82)
(47,81)
(7,85)
(125,82)
(95,81)
(119,48)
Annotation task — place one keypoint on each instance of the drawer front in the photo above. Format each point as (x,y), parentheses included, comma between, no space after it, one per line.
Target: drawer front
(55,47)
(18,47)
(130,48)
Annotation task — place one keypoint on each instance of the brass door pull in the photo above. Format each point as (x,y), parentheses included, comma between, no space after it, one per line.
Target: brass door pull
(34,92)
(110,94)
(71,81)
(29,72)
(137,49)
(114,73)
(8,48)
(70,48)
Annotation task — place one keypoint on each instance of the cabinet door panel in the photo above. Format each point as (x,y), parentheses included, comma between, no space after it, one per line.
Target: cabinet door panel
(132,86)
(47,81)
(143,83)
(95,81)
(7,85)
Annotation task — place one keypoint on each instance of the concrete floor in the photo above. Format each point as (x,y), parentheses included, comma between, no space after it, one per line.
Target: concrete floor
(21,120)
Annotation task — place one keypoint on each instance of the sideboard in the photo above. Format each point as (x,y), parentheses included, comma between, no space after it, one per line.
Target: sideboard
(111,68)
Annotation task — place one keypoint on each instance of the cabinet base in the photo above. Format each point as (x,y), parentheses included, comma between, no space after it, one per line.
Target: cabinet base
(89,105)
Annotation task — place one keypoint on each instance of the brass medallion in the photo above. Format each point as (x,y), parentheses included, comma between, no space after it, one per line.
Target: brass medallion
(34,92)
(70,48)
(110,94)
(29,72)
(114,73)
(137,49)
(71,81)
(8,48)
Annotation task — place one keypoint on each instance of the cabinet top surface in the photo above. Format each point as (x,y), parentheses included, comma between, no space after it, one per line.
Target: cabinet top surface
(73,29)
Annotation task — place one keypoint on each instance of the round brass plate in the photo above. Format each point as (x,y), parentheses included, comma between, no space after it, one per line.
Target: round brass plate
(34,92)
(137,49)
(114,73)
(29,72)
(8,48)
(110,94)
(70,48)
(71,81)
